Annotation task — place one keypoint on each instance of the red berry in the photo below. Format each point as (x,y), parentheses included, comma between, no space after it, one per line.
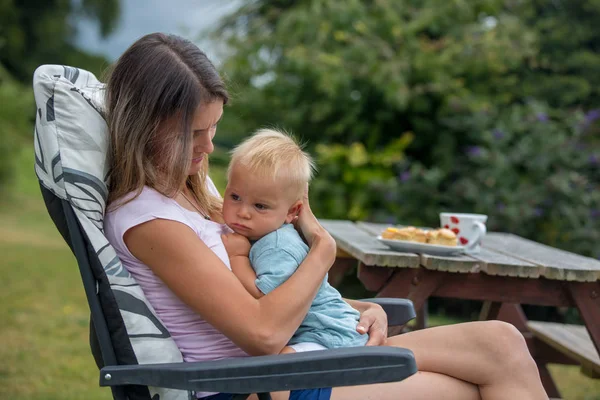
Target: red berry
(463,240)
(456,230)
(446,226)
(454,220)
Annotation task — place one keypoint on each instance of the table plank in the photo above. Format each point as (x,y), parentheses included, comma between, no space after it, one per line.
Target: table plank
(554,263)
(458,263)
(488,260)
(366,247)
(499,264)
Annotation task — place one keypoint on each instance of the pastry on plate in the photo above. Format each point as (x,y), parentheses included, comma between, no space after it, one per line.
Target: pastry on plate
(443,237)
(408,234)
(396,234)
(420,236)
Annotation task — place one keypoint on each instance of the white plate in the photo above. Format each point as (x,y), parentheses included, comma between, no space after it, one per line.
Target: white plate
(416,247)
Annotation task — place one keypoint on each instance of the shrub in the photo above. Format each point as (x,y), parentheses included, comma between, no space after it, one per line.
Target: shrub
(532,169)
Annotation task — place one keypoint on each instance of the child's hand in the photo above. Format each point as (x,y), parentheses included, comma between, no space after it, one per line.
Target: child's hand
(236,244)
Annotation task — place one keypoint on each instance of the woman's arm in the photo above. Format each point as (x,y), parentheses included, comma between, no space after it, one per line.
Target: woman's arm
(199,278)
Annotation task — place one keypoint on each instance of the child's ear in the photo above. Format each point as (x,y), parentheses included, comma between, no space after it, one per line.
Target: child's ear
(293,211)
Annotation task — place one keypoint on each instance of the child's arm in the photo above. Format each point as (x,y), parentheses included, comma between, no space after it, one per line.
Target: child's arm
(240,265)
(238,247)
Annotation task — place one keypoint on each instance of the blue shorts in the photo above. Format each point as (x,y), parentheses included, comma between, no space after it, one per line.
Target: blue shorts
(305,394)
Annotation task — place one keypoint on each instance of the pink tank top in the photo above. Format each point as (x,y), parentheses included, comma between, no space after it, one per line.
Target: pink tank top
(196,338)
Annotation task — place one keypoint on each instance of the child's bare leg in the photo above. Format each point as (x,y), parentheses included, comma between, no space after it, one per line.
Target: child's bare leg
(285,394)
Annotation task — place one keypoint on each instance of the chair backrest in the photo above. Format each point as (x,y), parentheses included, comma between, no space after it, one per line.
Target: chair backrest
(71,142)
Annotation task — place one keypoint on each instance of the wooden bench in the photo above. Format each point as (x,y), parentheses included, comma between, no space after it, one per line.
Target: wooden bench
(571,340)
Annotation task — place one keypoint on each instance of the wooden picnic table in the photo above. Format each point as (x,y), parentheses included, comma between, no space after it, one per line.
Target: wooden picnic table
(509,271)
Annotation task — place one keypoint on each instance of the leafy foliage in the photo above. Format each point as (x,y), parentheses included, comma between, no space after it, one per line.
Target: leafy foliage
(16,115)
(564,72)
(34,32)
(344,187)
(494,93)
(344,71)
(533,170)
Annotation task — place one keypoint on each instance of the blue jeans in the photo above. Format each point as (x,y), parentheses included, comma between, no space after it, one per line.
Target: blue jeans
(305,394)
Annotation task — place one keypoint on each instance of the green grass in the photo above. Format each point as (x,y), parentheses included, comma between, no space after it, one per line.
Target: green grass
(44,314)
(44,329)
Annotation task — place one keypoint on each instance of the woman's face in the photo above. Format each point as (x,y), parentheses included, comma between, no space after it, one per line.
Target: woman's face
(204,127)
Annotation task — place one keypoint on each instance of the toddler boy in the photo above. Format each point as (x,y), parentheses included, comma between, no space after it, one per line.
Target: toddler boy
(267,177)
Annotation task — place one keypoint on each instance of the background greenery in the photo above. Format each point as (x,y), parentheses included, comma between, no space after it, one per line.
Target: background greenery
(410,107)
(487,106)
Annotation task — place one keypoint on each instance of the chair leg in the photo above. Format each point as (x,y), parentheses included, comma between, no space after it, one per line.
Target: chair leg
(264,396)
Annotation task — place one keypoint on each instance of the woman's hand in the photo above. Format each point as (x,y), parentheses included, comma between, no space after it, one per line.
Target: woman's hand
(373,320)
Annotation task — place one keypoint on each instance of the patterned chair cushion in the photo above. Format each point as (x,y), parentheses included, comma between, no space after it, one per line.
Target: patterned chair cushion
(71,142)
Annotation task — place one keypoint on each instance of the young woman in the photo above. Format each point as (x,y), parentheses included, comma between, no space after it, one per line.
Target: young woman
(164,100)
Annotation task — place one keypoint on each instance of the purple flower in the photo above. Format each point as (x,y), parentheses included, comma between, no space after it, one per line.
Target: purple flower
(594,213)
(589,119)
(500,206)
(538,211)
(594,160)
(474,151)
(542,117)
(591,116)
(390,220)
(498,134)
(405,176)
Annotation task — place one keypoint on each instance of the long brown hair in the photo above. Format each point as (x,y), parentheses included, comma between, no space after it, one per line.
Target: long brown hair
(152,93)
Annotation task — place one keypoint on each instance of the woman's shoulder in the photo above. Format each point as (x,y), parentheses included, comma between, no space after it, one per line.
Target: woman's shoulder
(133,202)
(134,209)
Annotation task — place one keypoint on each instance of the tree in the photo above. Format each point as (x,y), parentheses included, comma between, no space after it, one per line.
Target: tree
(34,32)
(565,72)
(487,105)
(340,71)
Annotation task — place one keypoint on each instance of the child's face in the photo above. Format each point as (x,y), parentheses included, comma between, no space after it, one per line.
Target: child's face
(254,206)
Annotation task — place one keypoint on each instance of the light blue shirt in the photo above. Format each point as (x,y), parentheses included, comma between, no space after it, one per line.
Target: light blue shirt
(330,321)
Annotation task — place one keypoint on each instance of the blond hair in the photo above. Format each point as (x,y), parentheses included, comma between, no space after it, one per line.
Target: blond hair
(152,94)
(275,155)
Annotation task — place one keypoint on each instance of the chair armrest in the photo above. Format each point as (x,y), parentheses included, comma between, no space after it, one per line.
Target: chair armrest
(399,311)
(313,369)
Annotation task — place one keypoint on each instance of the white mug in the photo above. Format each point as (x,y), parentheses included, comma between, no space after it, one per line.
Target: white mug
(469,229)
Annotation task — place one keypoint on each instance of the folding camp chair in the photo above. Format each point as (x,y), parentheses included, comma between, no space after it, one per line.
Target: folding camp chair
(136,355)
